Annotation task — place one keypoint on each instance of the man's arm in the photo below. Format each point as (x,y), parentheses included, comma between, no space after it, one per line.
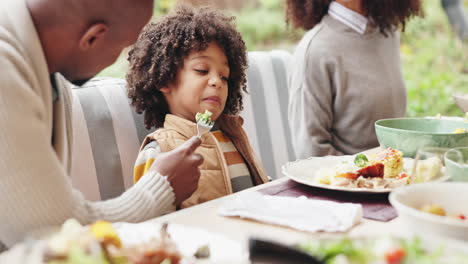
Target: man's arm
(36,191)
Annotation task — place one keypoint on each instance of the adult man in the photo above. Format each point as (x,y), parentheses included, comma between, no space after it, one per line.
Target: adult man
(76,38)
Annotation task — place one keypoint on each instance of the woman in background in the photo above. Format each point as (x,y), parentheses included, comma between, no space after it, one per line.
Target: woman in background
(346,72)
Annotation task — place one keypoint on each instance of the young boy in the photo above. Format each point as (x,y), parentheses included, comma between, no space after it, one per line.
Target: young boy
(190,61)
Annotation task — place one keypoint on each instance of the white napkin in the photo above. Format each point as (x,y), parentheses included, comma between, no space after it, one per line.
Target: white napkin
(299,213)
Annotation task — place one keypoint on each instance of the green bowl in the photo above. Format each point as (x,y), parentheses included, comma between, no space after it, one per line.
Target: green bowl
(410,134)
(456,161)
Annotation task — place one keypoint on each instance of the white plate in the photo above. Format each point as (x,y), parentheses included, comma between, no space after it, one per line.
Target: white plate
(303,171)
(448,195)
(188,240)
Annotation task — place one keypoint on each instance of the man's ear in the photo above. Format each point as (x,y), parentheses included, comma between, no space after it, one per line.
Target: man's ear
(93,35)
(165,90)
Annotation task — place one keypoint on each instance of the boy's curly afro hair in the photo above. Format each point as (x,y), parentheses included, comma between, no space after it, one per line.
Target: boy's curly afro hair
(160,51)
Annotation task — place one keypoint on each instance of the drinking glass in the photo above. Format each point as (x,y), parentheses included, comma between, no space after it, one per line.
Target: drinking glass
(456,161)
(428,164)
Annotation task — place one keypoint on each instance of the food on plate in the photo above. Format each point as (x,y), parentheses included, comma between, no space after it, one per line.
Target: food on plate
(392,160)
(460,130)
(433,209)
(437,209)
(100,244)
(361,160)
(156,250)
(385,250)
(203,252)
(384,169)
(104,232)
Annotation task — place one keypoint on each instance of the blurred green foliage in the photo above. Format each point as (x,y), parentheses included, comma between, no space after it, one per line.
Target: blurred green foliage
(263,26)
(272,4)
(435,62)
(163,6)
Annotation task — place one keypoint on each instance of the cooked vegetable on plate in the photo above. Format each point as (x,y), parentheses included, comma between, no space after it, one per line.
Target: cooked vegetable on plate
(460,130)
(100,244)
(384,169)
(439,210)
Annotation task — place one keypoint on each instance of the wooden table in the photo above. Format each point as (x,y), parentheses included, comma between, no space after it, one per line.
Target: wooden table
(205,216)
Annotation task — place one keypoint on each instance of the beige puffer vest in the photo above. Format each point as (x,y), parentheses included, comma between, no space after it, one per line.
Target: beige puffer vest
(214,181)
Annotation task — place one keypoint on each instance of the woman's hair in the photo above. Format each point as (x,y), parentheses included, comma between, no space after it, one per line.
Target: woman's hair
(386,14)
(159,54)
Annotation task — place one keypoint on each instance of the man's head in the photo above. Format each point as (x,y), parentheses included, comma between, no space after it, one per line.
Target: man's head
(82,37)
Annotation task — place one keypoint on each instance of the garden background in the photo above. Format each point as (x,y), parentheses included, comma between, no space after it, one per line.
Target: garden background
(435,61)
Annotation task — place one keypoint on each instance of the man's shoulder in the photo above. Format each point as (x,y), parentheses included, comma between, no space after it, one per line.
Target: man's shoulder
(12,49)
(13,21)
(14,62)
(20,45)
(8,40)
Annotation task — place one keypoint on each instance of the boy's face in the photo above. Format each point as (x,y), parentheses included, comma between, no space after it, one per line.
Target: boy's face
(201,84)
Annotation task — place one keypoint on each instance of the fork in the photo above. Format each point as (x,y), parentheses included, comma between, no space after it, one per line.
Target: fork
(202,127)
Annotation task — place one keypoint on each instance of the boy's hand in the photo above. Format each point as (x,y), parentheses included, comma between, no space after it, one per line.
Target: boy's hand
(181,168)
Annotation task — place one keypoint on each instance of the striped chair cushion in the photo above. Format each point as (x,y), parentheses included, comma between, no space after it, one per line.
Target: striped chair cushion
(108,132)
(266,109)
(107,137)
